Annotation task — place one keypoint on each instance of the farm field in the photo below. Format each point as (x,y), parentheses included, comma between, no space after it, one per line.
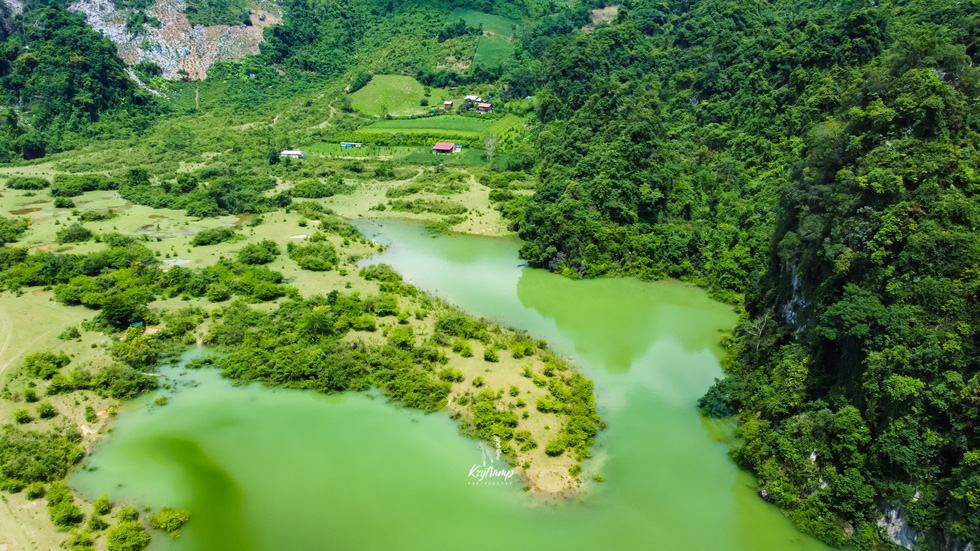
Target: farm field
(422,155)
(451,123)
(366,151)
(505,124)
(470,156)
(501,26)
(398,95)
(492,51)
(494,47)
(422,132)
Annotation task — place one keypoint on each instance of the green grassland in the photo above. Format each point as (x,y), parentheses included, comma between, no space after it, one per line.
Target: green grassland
(492,51)
(396,95)
(451,123)
(422,131)
(495,46)
(456,185)
(401,96)
(495,24)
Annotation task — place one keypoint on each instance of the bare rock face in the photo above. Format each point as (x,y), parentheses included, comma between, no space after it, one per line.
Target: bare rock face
(176,45)
(894,524)
(949,544)
(14,7)
(9,9)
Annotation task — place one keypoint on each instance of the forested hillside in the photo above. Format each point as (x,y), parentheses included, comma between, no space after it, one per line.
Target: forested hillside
(860,362)
(824,160)
(670,134)
(59,79)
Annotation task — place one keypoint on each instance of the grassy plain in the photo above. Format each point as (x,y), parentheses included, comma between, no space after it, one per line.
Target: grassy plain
(395,94)
(500,26)
(480,217)
(449,123)
(31,322)
(493,51)
(402,95)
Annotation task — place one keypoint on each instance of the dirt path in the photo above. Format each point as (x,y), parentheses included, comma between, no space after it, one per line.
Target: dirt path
(12,534)
(326,123)
(23,349)
(7,330)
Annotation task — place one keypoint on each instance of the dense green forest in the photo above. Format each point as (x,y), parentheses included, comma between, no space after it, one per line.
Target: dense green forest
(816,163)
(822,160)
(62,83)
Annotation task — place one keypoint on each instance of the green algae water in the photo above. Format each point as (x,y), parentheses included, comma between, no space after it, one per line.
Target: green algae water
(270,469)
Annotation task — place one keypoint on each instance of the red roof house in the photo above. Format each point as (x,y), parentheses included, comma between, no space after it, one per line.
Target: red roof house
(445,148)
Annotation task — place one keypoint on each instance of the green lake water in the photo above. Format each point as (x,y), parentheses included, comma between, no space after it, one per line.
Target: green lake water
(272,469)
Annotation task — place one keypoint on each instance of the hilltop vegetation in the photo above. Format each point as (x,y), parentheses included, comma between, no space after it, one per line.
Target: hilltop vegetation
(60,83)
(821,159)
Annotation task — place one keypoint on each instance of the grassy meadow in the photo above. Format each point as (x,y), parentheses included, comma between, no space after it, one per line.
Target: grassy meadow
(495,24)
(492,51)
(450,123)
(495,46)
(395,95)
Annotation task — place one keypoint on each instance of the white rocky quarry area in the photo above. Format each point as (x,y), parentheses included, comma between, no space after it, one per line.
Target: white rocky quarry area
(16,7)
(177,45)
(9,9)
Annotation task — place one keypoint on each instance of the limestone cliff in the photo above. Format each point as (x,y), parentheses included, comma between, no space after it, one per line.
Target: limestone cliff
(177,45)
(8,10)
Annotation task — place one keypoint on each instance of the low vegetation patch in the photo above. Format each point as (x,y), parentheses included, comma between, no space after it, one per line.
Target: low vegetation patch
(317,255)
(435,206)
(213,236)
(27,182)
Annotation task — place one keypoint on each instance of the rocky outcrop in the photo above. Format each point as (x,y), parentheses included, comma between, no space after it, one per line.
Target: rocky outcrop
(897,528)
(13,7)
(949,544)
(9,9)
(177,45)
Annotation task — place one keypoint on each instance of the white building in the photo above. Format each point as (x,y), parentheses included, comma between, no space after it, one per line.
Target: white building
(293,154)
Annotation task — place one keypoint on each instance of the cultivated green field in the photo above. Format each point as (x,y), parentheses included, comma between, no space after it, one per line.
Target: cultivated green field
(492,51)
(367,150)
(507,123)
(399,95)
(495,46)
(495,24)
(422,132)
(450,123)
(470,156)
